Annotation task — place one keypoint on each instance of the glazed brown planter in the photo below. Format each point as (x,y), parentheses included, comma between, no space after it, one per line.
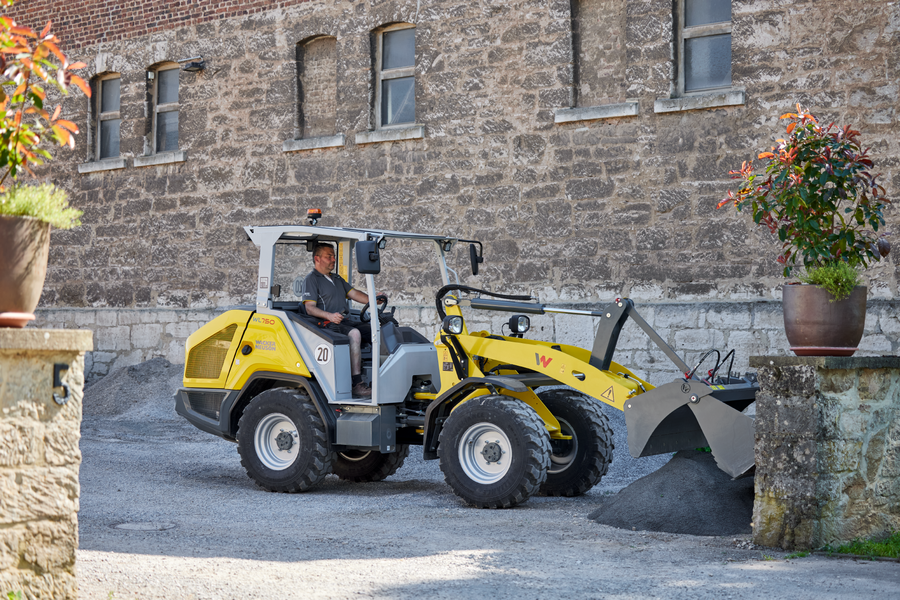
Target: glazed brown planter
(24,248)
(815,326)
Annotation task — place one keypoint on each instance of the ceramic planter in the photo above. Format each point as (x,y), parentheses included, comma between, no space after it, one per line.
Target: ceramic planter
(816,326)
(24,248)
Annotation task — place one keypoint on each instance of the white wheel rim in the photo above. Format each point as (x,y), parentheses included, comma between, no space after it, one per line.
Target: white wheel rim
(266,442)
(478,447)
(561,462)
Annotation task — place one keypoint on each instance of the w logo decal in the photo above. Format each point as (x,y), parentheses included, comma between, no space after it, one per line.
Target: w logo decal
(542,361)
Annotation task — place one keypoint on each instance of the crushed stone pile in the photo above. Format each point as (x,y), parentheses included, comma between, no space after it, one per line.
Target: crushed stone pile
(142,391)
(689,494)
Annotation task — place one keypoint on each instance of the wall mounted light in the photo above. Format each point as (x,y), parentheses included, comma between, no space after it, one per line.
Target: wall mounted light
(194,64)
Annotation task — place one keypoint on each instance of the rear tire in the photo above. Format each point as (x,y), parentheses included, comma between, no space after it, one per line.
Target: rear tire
(283,442)
(578,464)
(368,465)
(494,451)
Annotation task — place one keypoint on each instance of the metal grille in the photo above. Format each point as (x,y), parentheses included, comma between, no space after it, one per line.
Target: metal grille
(206,358)
(205,403)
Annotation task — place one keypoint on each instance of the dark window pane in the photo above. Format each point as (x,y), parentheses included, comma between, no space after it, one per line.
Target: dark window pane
(167,131)
(701,12)
(707,62)
(167,86)
(109,138)
(398,101)
(109,95)
(399,49)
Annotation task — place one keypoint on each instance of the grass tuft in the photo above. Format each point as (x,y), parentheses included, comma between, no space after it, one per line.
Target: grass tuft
(45,202)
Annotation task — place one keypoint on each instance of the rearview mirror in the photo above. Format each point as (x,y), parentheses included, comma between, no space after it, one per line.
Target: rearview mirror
(368,259)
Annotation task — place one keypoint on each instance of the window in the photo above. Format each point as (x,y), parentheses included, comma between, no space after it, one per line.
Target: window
(108,119)
(704,45)
(317,86)
(165,108)
(395,77)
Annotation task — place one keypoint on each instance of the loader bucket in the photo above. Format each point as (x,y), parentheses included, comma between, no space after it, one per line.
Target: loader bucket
(688,414)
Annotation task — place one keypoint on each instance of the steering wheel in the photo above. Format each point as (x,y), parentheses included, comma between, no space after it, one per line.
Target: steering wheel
(381,300)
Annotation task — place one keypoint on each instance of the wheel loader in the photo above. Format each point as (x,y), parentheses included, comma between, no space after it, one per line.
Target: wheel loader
(506,416)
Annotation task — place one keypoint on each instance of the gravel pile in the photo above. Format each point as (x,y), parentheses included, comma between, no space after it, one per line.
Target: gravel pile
(142,391)
(689,494)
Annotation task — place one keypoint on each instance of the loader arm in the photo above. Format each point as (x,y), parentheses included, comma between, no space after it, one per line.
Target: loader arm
(687,413)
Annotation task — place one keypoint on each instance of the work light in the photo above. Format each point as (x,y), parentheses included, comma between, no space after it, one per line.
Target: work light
(519,324)
(452,324)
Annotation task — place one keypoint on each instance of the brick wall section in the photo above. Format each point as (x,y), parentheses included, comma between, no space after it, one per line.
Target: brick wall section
(577,212)
(39,462)
(827,450)
(317,66)
(81,23)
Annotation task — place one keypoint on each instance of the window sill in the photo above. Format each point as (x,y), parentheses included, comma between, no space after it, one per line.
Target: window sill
(163,158)
(327,141)
(107,164)
(416,132)
(591,113)
(700,101)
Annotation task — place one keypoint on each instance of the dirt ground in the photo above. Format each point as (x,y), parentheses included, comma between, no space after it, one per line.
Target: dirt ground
(168,512)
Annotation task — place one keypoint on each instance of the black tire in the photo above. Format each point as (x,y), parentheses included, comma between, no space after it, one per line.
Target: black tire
(368,465)
(277,456)
(577,465)
(502,474)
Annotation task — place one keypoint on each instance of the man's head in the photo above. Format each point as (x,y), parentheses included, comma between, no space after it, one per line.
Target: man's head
(323,258)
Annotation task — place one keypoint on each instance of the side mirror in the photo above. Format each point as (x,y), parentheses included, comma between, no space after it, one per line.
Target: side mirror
(368,259)
(474,258)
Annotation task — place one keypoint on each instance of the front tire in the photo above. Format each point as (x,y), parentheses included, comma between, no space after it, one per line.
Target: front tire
(494,451)
(283,442)
(578,464)
(368,465)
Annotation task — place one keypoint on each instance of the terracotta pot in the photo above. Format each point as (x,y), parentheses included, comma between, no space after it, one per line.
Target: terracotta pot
(24,248)
(815,326)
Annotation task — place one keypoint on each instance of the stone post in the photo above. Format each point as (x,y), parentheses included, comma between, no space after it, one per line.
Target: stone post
(827,450)
(39,460)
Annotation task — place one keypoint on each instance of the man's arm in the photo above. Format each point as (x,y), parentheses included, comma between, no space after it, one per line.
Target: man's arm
(312,309)
(359,296)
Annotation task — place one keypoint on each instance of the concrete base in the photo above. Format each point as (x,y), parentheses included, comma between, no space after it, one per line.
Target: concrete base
(827,450)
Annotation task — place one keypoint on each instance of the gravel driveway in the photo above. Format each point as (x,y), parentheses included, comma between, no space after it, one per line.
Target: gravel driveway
(214,534)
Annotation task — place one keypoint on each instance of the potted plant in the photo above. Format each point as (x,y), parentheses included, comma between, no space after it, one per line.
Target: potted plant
(818,195)
(28,61)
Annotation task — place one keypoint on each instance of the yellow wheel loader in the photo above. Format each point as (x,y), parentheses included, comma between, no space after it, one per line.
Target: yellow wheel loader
(507,416)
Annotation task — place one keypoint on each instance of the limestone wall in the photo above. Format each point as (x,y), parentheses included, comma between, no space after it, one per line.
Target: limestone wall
(827,450)
(124,337)
(39,462)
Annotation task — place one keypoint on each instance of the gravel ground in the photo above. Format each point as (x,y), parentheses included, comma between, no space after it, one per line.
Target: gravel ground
(168,512)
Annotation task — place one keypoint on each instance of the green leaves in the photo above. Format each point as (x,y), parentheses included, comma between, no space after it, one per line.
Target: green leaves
(814,178)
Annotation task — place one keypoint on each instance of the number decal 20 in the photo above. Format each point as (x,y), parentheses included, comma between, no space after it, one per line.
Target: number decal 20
(323,354)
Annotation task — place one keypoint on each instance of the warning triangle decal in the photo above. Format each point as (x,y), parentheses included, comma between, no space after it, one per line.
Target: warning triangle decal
(609,395)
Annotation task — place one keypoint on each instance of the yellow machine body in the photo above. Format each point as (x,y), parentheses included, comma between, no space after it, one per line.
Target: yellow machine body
(225,352)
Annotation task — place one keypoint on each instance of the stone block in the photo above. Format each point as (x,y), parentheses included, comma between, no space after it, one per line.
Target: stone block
(10,549)
(18,442)
(182,330)
(698,340)
(61,443)
(38,493)
(726,316)
(128,317)
(107,318)
(875,344)
(675,317)
(114,338)
(146,335)
(51,545)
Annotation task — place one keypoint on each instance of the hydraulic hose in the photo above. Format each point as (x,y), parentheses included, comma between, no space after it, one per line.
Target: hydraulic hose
(464,288)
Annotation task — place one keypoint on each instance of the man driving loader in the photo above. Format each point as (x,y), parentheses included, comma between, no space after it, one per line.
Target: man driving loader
(325,296)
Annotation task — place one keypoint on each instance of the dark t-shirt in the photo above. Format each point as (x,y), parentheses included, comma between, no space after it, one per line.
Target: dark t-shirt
(330,296)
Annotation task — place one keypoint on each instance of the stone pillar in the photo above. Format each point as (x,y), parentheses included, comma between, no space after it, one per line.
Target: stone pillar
(39,460)
(827,450)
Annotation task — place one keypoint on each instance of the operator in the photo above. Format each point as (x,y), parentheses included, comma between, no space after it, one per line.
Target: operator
(325,296)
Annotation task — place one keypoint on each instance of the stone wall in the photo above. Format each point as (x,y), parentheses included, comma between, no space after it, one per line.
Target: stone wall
(827,450)
(39,462)
(578,212)
(123,337)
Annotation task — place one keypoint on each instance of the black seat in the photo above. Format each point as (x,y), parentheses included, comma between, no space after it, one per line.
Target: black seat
(312,324)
